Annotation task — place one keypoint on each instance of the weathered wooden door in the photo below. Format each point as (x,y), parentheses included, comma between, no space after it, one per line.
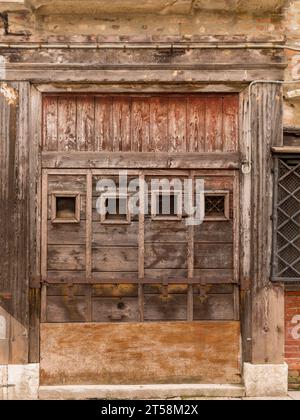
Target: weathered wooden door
(139,297)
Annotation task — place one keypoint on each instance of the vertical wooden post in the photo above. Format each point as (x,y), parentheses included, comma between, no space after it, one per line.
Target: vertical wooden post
(141,258)
(35,223)
(89,216)
(15,210)
(262,301)
(44,228)
(267,297)
(191,259)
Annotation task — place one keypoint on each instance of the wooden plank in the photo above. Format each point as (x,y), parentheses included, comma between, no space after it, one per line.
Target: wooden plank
(44,230)
(213,256)
(166,308)
(141,160)
(141,239)
(67,136)
(216,307)
(66,309)
(214,232)
(140,125)
(116,310)
(66,258)
(267,298)
(286,150)
(196,137)
(230,124)
(35,180)
(50,123)
(121,124)
(168,353)
(85,123)
(89,223)
(177,125)
(67,234)
(214,125)
(121,235)
(118,259)
(165,256)
(103,124)
(166,232)
(191,257)
(44,303)
(158,124)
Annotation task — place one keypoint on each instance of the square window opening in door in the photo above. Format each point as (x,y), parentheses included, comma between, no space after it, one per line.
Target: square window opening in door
(65,207)
(115,210)
(217,205)
(166,205)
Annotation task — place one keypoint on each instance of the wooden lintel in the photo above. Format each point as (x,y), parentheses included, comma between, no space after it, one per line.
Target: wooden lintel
(123,160)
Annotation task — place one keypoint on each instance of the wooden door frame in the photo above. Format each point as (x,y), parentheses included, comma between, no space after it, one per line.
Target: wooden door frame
(256,288)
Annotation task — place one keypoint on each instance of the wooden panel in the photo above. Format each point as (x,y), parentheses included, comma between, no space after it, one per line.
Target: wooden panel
(213,256)
(85,120)
(165,303)
(166,123)
(126,235)
(165,256)
(177,121)
(67,135)
(103,124)
(214,232)
(214,125)
(230,123)
(214,303)
(267,298)
(166,353)
(15,260)
(121,125)
(66,257)
(159,125)
(133,160)
(66,309)
(67,234)
(157,232)
(140,125)
(196,124)
(50,123)
(115,259)
(115,310)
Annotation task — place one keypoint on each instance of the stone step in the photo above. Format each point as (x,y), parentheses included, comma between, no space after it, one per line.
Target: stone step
(139,392)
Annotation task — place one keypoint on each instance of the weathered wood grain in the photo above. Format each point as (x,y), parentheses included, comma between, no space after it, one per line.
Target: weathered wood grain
(147,160)
(145,123)
(166,353)
(15,262)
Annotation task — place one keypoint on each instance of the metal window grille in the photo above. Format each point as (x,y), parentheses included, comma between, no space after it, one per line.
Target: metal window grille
(286,252)
(215,205)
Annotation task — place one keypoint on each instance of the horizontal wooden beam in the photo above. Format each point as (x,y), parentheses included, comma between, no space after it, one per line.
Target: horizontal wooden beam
(126,160)
(286,150)
(206,277)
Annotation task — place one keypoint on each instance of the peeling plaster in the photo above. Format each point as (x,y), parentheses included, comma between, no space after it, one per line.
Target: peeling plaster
(10,94)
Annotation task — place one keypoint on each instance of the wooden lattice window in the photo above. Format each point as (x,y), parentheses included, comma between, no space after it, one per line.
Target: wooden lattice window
(65,207)
(286,250)
(217,205)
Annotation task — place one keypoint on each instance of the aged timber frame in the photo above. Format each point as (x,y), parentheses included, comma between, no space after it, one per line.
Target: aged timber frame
(261,309)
